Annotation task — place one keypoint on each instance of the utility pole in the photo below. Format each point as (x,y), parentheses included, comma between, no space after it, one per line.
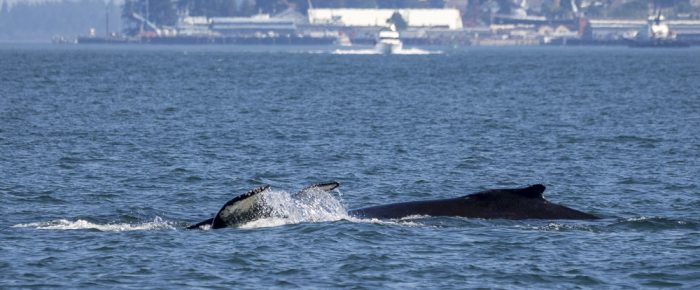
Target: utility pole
(107,19)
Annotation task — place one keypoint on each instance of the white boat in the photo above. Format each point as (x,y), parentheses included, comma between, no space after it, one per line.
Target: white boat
(656,34)
(388,41)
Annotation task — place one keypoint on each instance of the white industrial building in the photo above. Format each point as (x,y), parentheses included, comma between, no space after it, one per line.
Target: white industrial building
(415,18)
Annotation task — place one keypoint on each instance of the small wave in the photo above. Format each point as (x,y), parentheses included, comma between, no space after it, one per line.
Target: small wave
(63,224)
(641,219)
(656,223)
(558,227)
(656,219)
(407,221)
(634,223)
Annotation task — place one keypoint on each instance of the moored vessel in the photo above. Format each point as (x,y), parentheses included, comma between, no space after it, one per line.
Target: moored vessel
(388,41)
(656,33)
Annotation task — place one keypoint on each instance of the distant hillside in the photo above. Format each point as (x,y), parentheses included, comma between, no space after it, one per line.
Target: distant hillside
(39,22)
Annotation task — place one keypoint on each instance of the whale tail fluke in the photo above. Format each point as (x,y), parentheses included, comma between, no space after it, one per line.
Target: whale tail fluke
(238,206)
(327,186)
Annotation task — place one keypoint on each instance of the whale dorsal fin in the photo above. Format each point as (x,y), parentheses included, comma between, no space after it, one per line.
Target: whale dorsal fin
(532,191)
(327,186)
(232,205)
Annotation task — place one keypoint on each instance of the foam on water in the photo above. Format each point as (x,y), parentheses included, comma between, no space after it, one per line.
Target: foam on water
(63,224)
(404,221)
(656,223)
(400,222)
(558,227)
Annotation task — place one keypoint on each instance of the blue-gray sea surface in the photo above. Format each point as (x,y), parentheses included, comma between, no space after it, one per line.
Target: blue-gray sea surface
(107,152)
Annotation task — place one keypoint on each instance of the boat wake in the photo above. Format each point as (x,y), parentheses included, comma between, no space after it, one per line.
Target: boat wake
(417,51)
(408,51)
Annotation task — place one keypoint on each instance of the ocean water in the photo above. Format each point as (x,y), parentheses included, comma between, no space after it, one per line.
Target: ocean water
(108,152)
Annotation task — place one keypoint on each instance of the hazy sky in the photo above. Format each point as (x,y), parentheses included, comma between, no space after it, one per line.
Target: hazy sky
(68,20)
(11,2)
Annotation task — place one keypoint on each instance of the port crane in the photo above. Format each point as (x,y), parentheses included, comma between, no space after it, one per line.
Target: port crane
(147,22)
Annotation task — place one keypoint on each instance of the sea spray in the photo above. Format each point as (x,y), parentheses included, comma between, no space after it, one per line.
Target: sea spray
(285,208)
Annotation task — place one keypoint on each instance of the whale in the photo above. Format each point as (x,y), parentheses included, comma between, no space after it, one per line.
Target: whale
(505,203)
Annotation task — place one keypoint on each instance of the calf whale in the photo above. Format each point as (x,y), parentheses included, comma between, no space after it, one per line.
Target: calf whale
(506,203)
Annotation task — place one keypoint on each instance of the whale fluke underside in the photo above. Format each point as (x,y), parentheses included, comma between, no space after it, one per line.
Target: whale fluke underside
(235,209)
(327,186)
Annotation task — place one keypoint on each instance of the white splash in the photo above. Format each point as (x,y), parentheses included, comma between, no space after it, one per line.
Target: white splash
(641,218)
(63,224)
(311,206)
(557,227)
(285,208)
(390,222)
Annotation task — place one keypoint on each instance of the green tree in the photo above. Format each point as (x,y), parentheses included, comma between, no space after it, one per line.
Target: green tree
(162,12)
(504,6)
(130,26)
(668,3)
(397,20)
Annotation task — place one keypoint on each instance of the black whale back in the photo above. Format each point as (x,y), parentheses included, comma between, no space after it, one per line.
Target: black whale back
(510,203)
(532,191)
